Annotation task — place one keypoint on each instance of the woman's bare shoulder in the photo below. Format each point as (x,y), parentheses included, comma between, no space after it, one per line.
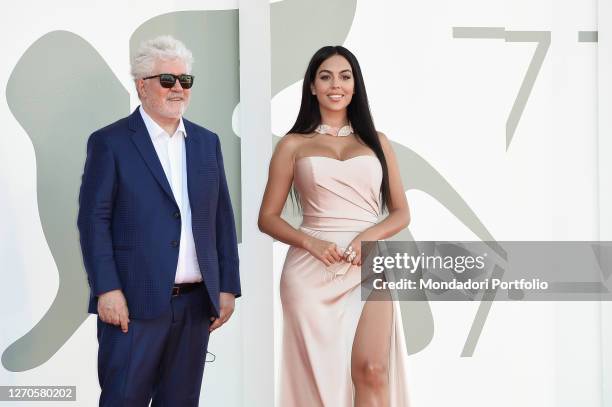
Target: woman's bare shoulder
(290,143)
(386,144)
(288,146)
(382,137)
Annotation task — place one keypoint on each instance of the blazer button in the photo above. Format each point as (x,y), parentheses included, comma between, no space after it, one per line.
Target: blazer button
(176,215)
(174,243)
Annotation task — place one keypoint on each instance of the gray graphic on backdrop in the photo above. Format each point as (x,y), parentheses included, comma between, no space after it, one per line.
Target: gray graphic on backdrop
(79,94)
(299,28)
(542,38)
(588,36)
(419,175)
(58,110)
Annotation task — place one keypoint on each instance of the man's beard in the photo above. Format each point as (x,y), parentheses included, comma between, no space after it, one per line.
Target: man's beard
(169,109)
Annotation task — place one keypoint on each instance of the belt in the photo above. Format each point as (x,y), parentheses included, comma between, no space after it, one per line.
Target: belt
(184,288)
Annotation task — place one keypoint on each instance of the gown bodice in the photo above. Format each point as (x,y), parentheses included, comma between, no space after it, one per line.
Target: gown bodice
(339,195)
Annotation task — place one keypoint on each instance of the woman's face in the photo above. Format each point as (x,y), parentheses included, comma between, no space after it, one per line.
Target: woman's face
(334,85)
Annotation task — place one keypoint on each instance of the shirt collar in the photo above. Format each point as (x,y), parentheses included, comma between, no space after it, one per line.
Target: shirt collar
(155,130)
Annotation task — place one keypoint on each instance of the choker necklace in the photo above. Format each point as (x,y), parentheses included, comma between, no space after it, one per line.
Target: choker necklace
(334,131)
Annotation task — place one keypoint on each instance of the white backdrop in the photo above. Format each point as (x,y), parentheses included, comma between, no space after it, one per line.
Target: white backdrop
(446,98)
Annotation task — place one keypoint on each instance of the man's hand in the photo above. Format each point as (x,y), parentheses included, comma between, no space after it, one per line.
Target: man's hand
(226,303)
(112,309)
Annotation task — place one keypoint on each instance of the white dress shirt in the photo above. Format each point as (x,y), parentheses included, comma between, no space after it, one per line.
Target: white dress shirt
(171,152)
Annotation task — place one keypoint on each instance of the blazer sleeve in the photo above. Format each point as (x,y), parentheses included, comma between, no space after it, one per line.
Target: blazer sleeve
(96,199)
(227,245)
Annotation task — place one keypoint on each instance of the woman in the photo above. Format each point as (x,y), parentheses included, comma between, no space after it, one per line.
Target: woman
(344,173)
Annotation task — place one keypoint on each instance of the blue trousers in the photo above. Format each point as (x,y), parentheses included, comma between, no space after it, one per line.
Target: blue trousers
(160,359)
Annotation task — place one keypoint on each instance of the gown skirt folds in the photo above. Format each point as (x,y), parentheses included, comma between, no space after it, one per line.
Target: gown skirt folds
(322,305)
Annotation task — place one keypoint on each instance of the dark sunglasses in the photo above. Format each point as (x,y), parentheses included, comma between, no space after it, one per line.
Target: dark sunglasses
(167,80)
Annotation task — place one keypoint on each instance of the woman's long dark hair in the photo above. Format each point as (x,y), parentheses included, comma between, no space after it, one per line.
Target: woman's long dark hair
(358,111)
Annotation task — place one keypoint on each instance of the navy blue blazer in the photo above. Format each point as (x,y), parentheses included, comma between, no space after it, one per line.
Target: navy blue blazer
(130,224)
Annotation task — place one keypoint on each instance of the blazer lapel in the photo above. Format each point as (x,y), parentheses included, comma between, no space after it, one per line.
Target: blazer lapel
(142,140)
(192,156)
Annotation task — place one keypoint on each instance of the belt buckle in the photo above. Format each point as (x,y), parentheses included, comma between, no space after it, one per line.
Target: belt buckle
(176,291)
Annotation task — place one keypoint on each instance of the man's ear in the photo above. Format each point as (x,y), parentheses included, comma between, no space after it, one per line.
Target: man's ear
(140,88)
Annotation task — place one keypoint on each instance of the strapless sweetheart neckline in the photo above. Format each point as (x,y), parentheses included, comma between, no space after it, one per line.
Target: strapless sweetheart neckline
(336,159)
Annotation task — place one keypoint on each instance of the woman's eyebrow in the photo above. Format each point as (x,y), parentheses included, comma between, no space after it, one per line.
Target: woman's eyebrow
(330,72)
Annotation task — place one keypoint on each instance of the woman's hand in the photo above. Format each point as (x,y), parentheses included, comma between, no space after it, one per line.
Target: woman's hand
(352,254)
(325,251)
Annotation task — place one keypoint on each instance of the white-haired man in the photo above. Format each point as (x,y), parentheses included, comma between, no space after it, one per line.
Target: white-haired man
(158,238)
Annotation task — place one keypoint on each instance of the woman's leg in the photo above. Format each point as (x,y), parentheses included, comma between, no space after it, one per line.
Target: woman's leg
(370,353)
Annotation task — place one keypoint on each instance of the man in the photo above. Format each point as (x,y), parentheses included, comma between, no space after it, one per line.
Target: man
(158,238)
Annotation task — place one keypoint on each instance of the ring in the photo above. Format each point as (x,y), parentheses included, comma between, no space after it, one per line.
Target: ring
(352,256)
(348,251)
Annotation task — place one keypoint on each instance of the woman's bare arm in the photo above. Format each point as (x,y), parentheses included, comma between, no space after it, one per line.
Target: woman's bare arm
(280,178)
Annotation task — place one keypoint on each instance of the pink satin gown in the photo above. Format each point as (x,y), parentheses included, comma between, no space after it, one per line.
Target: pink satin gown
(322,305)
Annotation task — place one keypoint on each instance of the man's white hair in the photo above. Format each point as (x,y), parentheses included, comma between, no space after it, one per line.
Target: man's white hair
(164,48)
